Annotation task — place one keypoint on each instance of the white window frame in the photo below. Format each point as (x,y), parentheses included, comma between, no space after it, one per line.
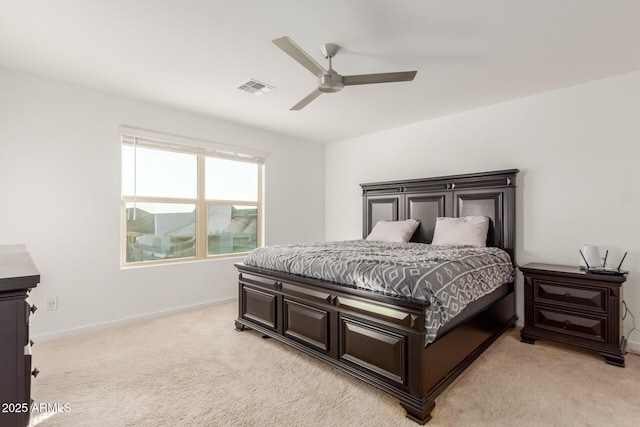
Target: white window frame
(202,149)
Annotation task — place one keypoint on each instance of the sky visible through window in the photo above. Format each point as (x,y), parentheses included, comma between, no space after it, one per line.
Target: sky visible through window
(158,173)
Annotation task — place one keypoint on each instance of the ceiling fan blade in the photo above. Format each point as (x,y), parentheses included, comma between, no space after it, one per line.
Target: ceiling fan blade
(365,79)
(302,57)
(307,99)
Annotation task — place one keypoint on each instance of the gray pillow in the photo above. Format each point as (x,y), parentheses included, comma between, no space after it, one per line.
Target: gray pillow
(393,231)
(468,230)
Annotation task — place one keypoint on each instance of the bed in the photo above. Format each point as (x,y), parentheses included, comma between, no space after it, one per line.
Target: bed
(381,334)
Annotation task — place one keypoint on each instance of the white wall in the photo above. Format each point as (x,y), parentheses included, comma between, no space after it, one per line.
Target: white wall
(60,195)
(578,150)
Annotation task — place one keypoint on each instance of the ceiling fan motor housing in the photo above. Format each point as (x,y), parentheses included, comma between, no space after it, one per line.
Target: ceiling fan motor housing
(330,82)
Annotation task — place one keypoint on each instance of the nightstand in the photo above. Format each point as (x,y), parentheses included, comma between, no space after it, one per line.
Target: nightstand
(569,305)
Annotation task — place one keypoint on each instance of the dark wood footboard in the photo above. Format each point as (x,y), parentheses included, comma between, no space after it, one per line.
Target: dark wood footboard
(376,338)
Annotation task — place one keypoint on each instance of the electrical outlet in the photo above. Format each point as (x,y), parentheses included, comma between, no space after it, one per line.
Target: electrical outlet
(52,303)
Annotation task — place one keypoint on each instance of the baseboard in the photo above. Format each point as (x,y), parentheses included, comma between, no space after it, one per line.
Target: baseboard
(633,347)
(105,325)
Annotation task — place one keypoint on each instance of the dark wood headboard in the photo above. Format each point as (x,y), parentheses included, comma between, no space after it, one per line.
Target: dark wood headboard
(491,194)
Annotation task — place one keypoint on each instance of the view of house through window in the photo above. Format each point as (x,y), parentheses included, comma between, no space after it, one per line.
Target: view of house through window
(183,202)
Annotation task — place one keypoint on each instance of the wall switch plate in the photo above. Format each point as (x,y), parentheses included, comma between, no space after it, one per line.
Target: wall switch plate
(52,303)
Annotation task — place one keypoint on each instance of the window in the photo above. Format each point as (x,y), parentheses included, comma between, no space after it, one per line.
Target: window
(182,202)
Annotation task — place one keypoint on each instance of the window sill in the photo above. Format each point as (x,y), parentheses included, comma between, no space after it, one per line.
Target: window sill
(182,261)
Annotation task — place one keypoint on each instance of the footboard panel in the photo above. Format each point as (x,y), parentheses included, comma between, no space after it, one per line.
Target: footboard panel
(260,307)
(373,337)
(378,350)
(369,338)
(307,324)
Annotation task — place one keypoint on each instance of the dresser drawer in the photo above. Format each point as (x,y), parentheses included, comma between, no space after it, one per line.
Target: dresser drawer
(570,295)
(583,326)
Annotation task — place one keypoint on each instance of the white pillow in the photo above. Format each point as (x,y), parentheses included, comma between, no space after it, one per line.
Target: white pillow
(468,230)
(393,231)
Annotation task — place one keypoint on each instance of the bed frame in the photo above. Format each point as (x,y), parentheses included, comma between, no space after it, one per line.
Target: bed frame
(379,338)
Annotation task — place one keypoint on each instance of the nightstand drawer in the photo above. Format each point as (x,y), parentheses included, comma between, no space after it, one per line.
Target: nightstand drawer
(570,295)
(592,328)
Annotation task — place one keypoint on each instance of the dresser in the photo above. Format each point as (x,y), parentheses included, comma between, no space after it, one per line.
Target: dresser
(18,275)
(570,305)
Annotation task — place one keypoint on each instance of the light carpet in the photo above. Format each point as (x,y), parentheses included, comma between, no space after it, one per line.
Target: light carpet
(194,369)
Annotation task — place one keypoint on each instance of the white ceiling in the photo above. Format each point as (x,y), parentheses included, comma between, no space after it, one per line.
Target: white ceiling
(193,54)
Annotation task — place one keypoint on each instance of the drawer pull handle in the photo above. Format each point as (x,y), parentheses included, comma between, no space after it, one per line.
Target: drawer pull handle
(33,308)
(35,372)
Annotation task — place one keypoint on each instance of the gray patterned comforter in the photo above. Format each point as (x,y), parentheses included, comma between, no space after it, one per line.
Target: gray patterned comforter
(448,277)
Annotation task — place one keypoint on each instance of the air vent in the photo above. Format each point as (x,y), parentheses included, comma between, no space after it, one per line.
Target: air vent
(255,87)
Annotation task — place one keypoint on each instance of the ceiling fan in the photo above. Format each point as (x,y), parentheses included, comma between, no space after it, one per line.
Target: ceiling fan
(329,80)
